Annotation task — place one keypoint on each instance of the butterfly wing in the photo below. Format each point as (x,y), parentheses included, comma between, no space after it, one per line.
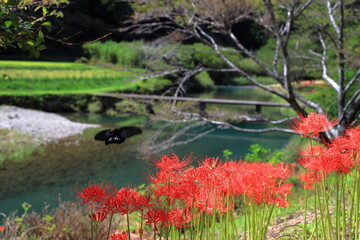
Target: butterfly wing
(131,131)
(117,135)
(102,135)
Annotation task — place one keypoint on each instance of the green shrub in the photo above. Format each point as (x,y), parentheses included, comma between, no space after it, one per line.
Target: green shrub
(127,106)
(250,66)
(127,54)
(201,81)
(302,68)
(94,107)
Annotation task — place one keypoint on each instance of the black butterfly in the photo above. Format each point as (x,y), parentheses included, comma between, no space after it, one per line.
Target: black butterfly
(117,135)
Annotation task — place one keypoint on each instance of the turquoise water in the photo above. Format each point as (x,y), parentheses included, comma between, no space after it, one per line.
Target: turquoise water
(74,162)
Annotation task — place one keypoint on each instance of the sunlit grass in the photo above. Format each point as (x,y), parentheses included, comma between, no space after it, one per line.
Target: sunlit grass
(42,65)
(29,78)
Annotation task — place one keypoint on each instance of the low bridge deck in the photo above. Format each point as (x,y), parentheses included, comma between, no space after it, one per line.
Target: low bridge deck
(199,100)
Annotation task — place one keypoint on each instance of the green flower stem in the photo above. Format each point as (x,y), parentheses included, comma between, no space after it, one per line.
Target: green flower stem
(155,231)
(305,211)
(96,230)
(357,204)
(108,233)
(128,225)
(344,212)
(322,218)
(246,219)
(141,224)
(316,215)
(270,214)
(213,223)
(91,225)
(337,206)
(326,196)
(204,218)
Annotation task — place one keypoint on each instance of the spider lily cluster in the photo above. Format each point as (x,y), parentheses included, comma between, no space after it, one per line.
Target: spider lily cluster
(204,202)
(189,201)
(332,174)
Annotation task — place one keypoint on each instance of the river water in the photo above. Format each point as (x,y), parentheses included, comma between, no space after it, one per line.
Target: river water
(72,163)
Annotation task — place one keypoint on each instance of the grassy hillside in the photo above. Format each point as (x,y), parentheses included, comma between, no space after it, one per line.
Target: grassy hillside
(33,78)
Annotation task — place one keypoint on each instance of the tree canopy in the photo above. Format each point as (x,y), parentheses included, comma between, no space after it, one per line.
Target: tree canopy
(22,23)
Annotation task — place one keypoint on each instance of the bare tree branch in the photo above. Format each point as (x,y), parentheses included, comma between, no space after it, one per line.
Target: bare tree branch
(275,75)
(324,67)
(331,16)
(171,142)
(352,99)
(231,126)
(243,73)
(353,80)
(180,87)
(164,73)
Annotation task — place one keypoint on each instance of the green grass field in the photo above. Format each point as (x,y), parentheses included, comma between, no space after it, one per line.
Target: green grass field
(32,78)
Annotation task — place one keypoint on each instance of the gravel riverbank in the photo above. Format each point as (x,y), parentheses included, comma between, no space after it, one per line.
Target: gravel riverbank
(44,126)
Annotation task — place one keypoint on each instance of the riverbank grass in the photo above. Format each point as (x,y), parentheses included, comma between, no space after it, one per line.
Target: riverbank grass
(16,146)
(29,78)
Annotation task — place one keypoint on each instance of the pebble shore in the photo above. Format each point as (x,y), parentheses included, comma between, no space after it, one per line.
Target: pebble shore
(44,126)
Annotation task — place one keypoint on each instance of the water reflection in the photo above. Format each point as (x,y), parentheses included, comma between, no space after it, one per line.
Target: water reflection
(78,160)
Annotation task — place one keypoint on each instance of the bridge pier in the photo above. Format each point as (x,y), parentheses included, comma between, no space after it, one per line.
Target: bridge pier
(202,109)
(258,108)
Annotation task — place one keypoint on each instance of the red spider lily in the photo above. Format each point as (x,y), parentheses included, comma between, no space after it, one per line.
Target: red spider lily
(285,189)
(172,163)
(156,216)
(95,193)
(126,199)
(210,162)
(280,202)
(353,143)
(341,159)
(179,217)
(317,158)
(309,178)
(313,124)
(109,205)
(119,236)
(123,202)
(98,216)
(262,182)
(141,203)
(165,184)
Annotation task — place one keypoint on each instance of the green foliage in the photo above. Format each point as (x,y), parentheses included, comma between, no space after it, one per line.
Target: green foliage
(260,154)
(245,81)
(292,148)
(16,146)
(22,23)
(125,54)
(298,46)
(147,55)
(200,82)
(200,54)
(256,153)
(227,154)
(94,107)
(126,106)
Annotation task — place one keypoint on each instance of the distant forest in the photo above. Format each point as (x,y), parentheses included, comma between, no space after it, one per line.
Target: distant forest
(87,20)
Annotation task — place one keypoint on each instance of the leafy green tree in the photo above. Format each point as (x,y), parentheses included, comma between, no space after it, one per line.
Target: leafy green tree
(22,23)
